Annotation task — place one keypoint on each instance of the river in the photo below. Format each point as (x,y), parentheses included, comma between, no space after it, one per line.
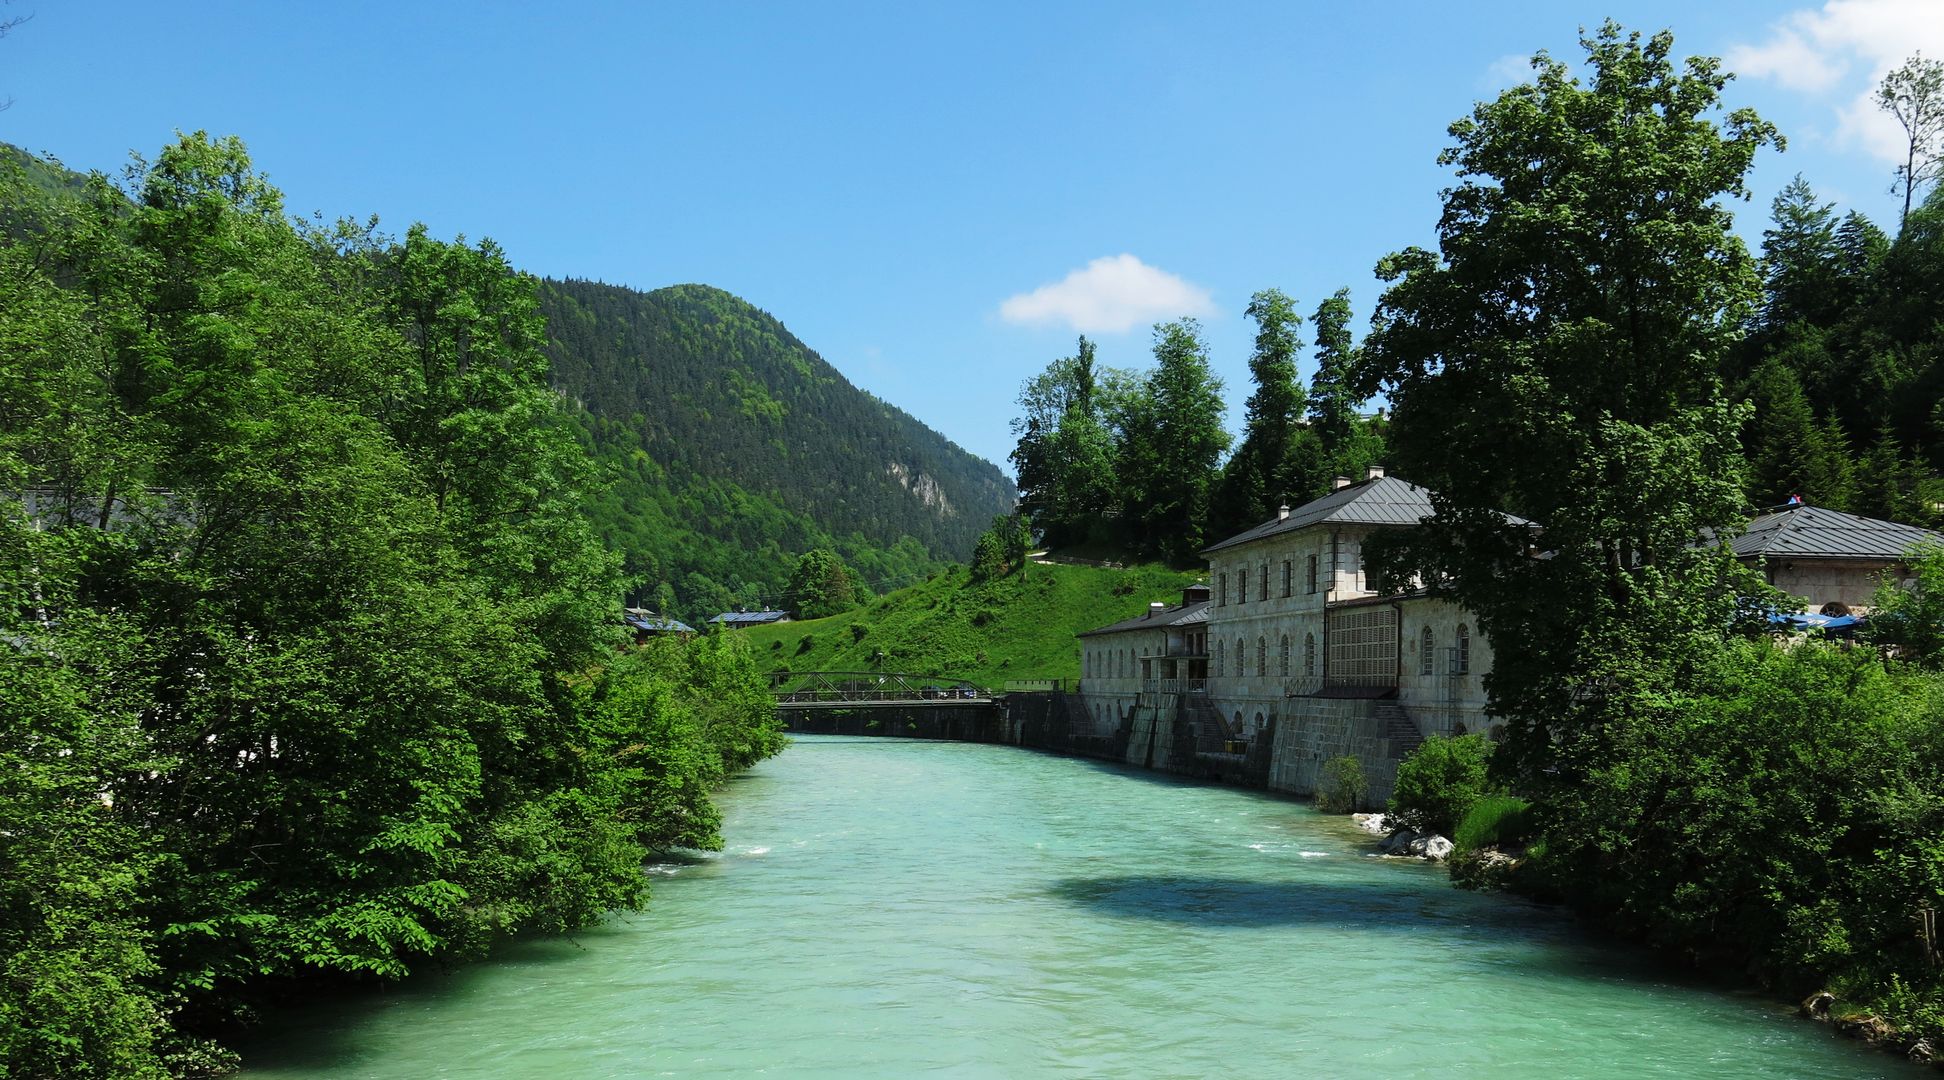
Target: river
(892,908)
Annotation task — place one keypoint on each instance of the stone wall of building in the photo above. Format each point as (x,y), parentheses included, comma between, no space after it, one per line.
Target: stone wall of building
(1312,731)
(1440,700)
(1821,581)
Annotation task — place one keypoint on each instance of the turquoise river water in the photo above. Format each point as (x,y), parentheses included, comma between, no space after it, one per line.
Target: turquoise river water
(891,908)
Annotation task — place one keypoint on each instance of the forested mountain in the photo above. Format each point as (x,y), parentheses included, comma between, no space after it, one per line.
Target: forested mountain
(732,447)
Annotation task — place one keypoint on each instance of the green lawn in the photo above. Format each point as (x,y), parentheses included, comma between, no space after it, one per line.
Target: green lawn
(990,633)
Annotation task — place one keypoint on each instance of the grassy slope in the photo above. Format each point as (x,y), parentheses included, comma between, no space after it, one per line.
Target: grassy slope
(989,632)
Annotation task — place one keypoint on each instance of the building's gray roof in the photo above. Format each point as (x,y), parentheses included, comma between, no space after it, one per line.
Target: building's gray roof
(657,624)
(1383,501)
(1812,532)
(1179,615)
(749,618)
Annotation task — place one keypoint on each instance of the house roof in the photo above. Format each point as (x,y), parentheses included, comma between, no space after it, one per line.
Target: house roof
(656,624)
(749,618)
(1179,615)
(1385,500)
(1813,532)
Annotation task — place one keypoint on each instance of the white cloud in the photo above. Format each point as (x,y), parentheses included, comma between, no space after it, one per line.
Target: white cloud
(1507,71)
(1110,295)
(1843,49)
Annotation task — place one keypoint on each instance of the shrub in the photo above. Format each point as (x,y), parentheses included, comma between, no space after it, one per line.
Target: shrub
(1493,821)
(1439,782)
(806,643)
(1342,786)
(858,630)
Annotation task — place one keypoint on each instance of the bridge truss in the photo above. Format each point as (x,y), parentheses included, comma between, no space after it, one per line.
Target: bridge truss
(803,689)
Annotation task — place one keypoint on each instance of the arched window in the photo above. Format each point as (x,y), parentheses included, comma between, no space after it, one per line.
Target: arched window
(1241,586)
(1218,661)
(1312,574)
(1428,647)
(1309,656)
(1464,649)
(1241,658)
(1283,662)
(1262,657)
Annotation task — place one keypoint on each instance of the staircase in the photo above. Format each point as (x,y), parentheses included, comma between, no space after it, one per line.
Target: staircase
(1398,727)
(1211,731)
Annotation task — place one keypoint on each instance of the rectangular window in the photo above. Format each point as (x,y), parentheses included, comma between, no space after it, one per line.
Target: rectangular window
(1263,594)
(1286,578)
(1312,575)
(1241,586)
(1221,591)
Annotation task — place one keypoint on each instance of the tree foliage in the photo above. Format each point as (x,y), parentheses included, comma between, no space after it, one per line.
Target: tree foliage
(820,586)
(312,651)
(1559,358)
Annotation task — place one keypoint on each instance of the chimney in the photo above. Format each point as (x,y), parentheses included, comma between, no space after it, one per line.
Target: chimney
(1340,483)
(1282,512)
(1156,608)
(1194,594)
(1373,472)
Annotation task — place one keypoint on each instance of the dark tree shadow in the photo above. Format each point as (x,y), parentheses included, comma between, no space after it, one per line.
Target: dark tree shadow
(1226,902)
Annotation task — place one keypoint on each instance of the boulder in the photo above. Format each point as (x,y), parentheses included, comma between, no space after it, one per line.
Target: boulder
(1922,1052)
(1817,1005)
(1398,843)
(1374,824)
(1436,848)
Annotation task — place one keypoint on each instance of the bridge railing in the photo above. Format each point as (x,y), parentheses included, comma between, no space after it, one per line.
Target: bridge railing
(839,687)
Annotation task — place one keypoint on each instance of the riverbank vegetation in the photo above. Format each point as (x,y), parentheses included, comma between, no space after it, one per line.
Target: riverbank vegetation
(1014,627)
(309,656)
(1592,348)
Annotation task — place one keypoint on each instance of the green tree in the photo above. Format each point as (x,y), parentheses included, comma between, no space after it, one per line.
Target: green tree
(1176,439)
(1800,259)
(1789,452)
(1333,398)
(820,586)
(1910,617)
(1259,476)
(1914,94)
(1558,357)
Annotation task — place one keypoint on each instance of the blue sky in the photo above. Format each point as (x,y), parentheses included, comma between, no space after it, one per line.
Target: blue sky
(937,198)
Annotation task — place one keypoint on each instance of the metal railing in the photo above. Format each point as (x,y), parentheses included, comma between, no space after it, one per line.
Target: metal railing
(840,687)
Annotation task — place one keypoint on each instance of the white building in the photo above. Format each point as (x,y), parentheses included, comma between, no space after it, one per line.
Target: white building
(1304,659)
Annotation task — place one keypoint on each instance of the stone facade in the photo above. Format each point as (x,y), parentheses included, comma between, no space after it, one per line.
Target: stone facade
(1825,581)
(1305,659)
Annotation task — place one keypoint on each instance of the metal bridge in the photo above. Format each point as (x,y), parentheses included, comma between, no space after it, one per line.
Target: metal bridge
(867,689)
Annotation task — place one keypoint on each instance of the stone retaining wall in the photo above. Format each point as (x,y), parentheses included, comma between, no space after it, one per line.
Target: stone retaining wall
(1314,730)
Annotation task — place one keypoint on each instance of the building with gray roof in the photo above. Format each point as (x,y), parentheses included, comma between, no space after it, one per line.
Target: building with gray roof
(1827,558)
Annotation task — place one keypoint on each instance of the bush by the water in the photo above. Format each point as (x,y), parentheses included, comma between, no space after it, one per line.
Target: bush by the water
(1343,786)
(1493,821)
(1439,782)
(1787,821)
